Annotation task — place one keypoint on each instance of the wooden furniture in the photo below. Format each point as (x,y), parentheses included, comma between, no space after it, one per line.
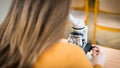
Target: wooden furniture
(106,17)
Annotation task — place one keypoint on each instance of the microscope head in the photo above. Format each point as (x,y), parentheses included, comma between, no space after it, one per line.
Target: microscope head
(77,23)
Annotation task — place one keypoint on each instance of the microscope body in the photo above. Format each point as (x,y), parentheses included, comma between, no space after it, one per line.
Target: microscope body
(79,34)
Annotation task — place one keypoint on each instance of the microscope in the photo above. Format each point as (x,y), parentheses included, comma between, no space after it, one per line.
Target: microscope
(79,34)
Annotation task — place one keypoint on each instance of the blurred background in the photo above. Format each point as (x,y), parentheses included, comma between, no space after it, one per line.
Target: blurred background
(101,16)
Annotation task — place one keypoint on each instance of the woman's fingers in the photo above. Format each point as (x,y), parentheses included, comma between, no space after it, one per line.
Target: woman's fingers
(95,51)
(100,50)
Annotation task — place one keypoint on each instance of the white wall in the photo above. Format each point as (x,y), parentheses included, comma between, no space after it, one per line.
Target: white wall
(4,7)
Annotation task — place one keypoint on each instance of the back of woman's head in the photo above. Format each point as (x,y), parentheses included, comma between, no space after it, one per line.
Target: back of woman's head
(30,27)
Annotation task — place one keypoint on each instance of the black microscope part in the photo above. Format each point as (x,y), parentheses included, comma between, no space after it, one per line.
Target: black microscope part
(76,33)
(88,47)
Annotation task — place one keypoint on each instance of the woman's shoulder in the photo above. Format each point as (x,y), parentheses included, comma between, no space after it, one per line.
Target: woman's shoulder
(62,54)
(64,43)
(70,46)
(63,48)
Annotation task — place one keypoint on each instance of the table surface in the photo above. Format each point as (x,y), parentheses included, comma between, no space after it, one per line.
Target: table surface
(112,57)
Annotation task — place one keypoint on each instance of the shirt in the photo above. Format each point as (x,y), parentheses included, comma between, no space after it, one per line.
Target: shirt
(64,55)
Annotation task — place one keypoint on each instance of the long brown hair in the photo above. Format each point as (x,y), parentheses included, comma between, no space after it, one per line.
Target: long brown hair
(30,27)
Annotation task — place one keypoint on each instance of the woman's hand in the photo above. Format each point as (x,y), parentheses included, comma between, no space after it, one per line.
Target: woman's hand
(98,56)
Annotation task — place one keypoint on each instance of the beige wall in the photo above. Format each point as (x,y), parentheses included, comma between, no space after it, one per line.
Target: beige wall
(4,7)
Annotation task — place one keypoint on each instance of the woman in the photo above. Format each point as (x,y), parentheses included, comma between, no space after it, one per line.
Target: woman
(31,33)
